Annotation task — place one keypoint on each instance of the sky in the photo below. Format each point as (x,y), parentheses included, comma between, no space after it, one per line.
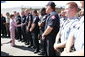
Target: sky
(33,4)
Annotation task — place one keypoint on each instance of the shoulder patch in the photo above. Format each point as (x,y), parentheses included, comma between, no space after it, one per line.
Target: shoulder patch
(53,17)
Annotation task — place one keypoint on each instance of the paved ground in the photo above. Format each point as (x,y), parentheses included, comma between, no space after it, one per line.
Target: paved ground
(20,49)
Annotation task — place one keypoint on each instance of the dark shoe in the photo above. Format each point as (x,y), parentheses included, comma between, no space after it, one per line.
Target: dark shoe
(32,47)
(22,40)
(41,53)
(6,37)
(18,40)
(29,46)
(44,55)
(2,36)
(26,43)
(36,51)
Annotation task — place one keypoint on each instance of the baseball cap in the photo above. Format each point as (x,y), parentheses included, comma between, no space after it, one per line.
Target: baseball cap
(52,4)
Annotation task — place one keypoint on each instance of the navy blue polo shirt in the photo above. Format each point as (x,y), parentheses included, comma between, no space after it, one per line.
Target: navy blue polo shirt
(53,21)
(35,21)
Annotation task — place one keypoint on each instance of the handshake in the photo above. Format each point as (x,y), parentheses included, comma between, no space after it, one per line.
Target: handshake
(20,25)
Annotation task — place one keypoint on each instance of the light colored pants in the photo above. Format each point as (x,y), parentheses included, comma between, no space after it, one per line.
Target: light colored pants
(7,29)
(12,35)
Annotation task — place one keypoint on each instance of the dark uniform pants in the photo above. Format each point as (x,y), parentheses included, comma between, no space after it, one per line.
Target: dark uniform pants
(29,38)
(18,33)
(50,43)
(43,46)
(43,43)
(35,40)
(3,30)
(23,29)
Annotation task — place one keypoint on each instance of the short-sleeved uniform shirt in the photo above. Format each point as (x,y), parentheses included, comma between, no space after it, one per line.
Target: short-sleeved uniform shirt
(62,21)
(78,34)
(66,28)
(79,38)
(35,21)
(18,19)
(29,18)
(53,21)
(23,20)
(42,20)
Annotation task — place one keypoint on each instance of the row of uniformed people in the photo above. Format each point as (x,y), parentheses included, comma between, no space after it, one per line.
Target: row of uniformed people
(48,29)
(28,32)
(51,29)
(49,25)
(23,31)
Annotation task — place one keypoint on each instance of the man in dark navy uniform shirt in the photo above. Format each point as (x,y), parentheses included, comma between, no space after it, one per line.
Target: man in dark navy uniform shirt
(35,30)
(41,24)
(51,28)
(18,29)
(29,19)
(23,28)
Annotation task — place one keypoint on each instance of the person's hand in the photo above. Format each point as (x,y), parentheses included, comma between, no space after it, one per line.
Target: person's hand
(38,23)
(55,46)
(43,36)
(65,52)
(17,21)
(22,24)
(30,30)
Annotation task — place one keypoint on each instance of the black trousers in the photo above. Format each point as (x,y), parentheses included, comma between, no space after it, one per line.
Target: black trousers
(29,38)
(3,30)
(23,31)
(18,33)
(35,40)
(42,43)
(43,46)
(50,43)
